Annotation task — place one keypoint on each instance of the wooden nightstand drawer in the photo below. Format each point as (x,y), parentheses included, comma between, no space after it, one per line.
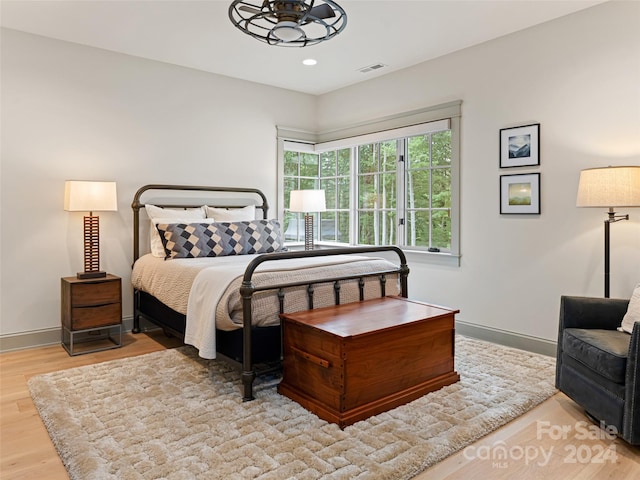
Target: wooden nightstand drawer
(94,317)
(91,307)
(95,293)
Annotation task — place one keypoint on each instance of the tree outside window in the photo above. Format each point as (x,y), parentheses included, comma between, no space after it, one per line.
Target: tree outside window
(381,193)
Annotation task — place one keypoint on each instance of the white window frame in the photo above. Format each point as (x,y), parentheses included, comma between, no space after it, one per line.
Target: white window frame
(440,117)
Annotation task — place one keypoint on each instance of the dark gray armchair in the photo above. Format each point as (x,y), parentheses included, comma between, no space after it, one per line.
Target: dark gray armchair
(598,366)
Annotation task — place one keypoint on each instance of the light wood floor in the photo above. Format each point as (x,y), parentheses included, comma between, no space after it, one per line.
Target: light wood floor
(546,443)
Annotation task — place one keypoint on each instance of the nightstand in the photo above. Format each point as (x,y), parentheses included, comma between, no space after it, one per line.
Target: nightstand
(90,306)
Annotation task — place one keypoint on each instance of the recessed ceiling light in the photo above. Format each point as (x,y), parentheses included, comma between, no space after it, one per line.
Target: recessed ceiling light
(309,61)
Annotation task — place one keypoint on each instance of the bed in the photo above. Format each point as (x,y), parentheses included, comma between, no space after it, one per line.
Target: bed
(224,288)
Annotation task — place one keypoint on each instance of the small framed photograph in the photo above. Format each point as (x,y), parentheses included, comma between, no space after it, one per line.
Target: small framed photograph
(520,146)
(520,193)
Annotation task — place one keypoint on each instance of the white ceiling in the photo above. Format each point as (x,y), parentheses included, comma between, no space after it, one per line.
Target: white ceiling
(199,34)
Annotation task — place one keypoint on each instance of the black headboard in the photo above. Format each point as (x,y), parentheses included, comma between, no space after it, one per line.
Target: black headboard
(209,197)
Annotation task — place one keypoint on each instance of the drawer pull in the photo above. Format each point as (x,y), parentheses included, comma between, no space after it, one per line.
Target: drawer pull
(312,358)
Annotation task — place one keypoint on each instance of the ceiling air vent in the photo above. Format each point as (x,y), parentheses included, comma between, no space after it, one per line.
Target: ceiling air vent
(371,68)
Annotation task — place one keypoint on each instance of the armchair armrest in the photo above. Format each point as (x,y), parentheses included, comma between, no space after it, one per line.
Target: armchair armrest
(590,312)
(631,423)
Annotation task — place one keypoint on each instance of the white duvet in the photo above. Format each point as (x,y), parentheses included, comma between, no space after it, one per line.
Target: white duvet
(206,289)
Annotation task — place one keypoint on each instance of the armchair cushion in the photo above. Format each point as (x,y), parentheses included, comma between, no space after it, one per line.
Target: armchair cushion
(603,351)
(598,366)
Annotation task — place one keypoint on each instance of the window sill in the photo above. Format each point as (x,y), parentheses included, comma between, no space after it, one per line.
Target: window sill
(413,256)
(432,258)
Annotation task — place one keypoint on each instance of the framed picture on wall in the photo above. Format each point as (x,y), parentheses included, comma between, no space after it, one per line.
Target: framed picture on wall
(520,146)
(520,193)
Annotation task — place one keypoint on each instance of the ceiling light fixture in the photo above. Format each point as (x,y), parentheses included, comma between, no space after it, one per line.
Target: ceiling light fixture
(289,23)
(309,61)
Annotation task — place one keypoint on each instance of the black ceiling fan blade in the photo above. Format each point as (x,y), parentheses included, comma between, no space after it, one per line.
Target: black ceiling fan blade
(322,11)
(255,11)
(245,8)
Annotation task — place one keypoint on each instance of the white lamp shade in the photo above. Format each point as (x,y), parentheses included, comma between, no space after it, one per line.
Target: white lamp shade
(609,187)
(81,196)
(307,201)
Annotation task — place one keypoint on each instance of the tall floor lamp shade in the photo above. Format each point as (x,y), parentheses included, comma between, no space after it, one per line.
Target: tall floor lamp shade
(609,187)
(81,196)
(307,202)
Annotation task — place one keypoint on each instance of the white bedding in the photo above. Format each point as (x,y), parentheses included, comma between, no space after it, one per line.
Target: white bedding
(206,289)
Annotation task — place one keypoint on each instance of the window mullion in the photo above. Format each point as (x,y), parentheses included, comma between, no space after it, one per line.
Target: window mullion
(430,190)
(353,200)
(401,183)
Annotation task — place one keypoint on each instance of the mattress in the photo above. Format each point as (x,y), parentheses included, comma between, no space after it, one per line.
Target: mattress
(206,290)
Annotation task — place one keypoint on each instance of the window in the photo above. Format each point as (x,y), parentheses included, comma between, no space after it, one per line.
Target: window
(377,191)
(301,172)
(335,180)
(428,191)
(397,186)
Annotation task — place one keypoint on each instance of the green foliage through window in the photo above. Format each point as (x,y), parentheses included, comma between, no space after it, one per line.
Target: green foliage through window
(391,192)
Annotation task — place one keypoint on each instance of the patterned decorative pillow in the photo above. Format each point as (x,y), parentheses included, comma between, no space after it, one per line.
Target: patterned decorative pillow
(170,215)
(256,236)
(190,240)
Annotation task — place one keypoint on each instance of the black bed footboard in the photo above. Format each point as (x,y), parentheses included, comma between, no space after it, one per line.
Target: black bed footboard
(259,344)
(248,289)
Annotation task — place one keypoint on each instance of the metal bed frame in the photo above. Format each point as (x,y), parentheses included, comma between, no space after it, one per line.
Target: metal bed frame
(151,309)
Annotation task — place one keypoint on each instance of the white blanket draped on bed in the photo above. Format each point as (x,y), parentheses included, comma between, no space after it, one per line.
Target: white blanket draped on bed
(206,289)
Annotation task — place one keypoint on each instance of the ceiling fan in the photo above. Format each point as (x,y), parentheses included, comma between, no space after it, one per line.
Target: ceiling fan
(289,22)
(286,9)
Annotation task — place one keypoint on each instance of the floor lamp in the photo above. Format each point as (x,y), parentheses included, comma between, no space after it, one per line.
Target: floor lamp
(609,187)
(90,197)
(307,201)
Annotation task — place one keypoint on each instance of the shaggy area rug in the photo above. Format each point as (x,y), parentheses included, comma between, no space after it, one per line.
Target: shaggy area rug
(172,415)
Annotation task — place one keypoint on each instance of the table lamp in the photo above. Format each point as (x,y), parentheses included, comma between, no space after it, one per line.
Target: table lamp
(307,201)
(82,196)
(609,187)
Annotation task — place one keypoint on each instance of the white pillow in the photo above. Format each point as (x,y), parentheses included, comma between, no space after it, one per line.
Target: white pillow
(154,211)
(633,312)
(169,215)
(231,214)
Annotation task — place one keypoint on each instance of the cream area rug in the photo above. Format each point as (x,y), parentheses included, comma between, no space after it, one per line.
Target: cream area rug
(172,415)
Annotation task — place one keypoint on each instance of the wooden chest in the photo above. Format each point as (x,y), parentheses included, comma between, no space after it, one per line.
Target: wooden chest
(348,362)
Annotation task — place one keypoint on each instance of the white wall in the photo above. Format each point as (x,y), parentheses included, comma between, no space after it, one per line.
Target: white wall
(74,112)
(579,77)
